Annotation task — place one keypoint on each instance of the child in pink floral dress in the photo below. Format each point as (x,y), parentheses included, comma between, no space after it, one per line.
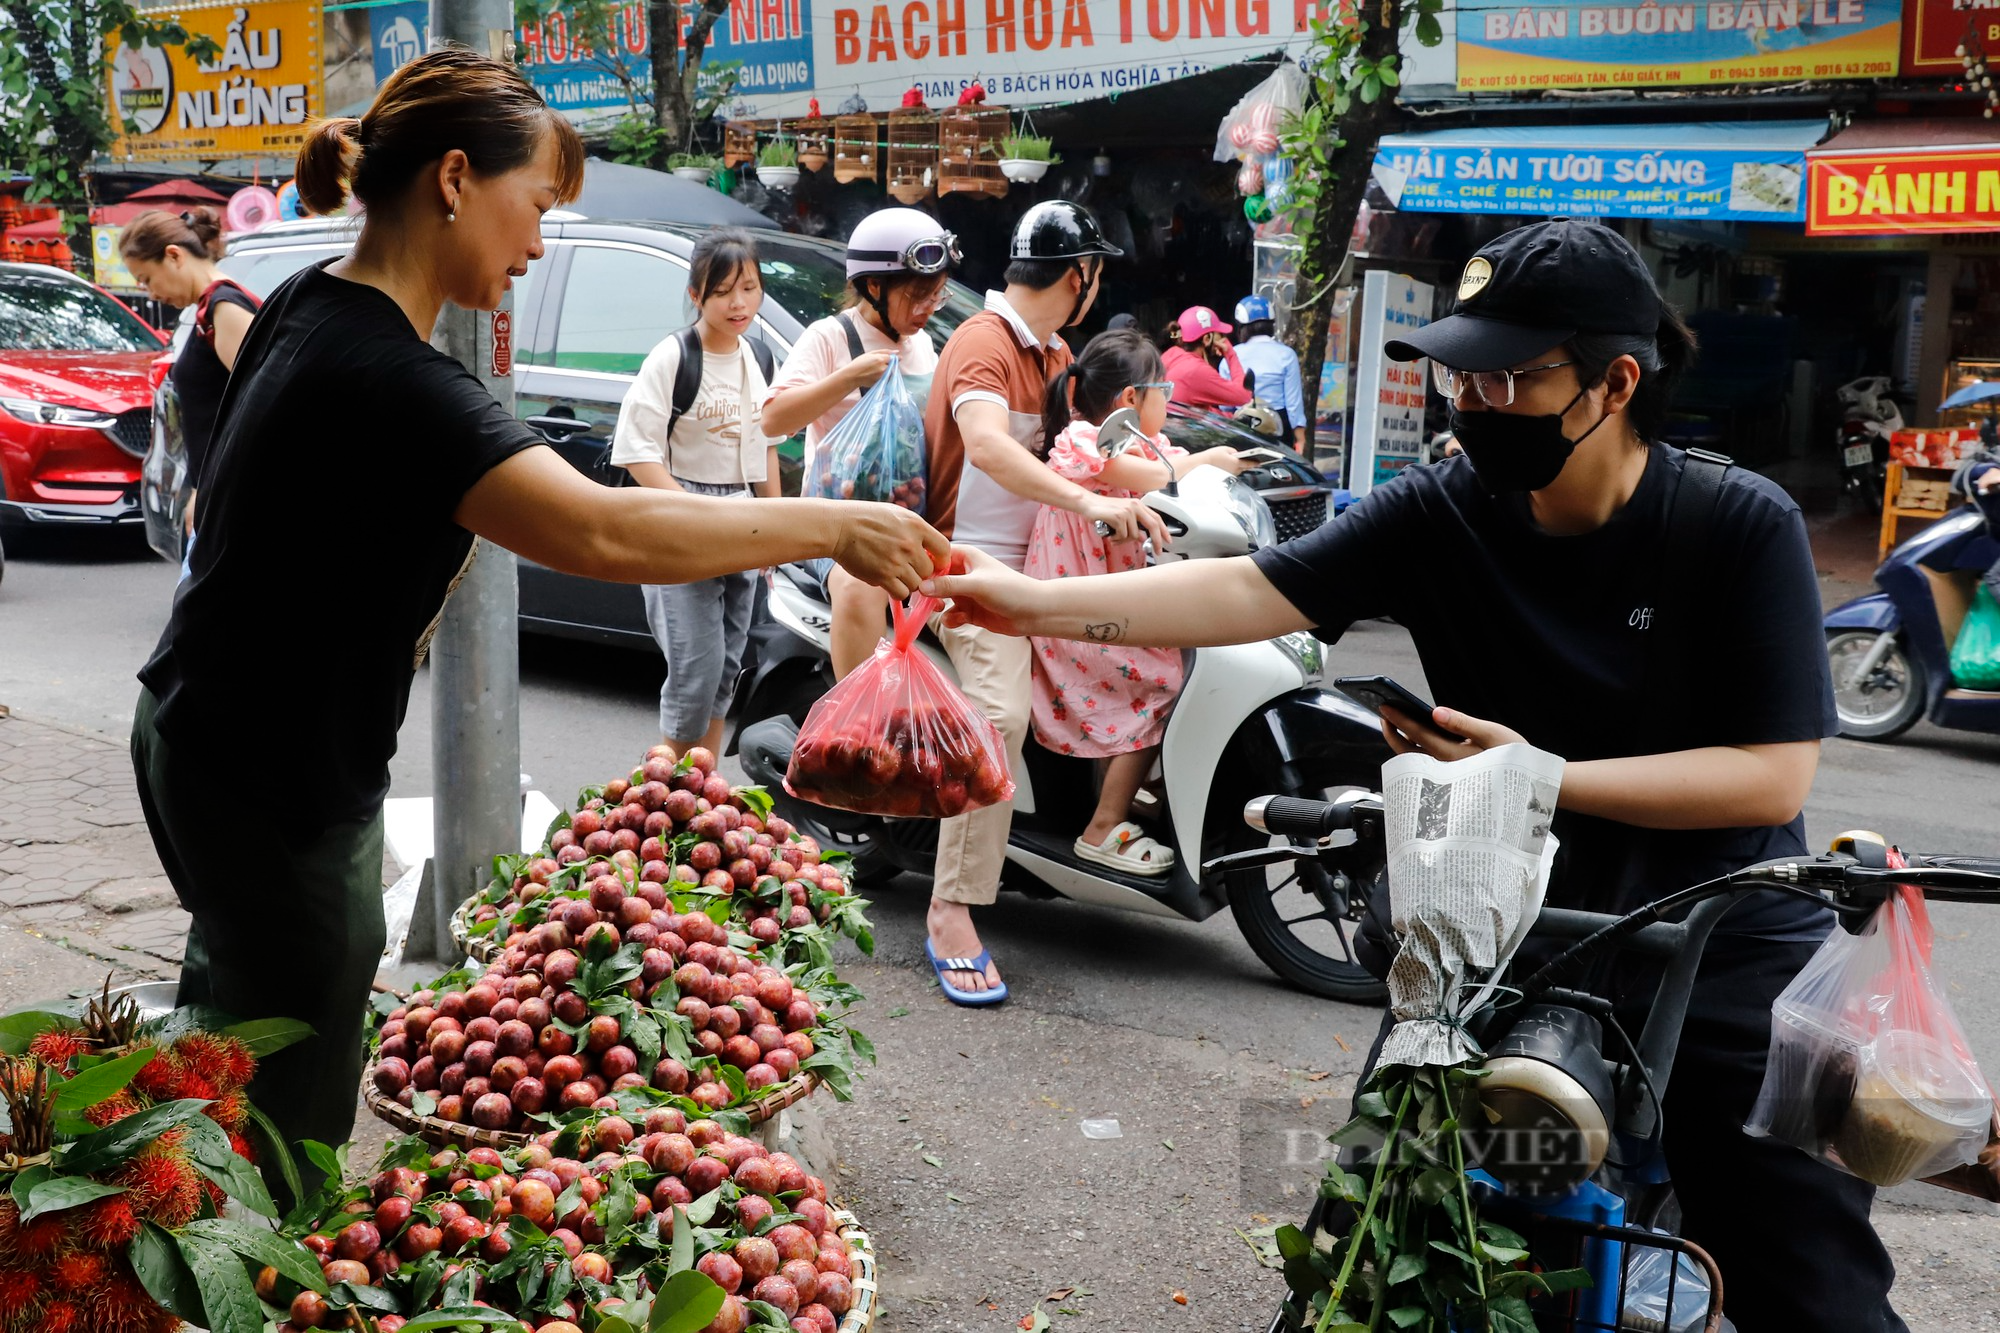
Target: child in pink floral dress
(1108,701)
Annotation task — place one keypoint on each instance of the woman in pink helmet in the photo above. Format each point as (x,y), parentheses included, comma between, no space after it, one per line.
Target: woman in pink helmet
(897,261)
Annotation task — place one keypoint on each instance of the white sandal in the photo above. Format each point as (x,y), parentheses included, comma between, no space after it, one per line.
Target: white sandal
(1129,851)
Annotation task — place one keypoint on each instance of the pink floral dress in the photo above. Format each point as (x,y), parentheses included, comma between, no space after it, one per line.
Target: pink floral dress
(1095,699)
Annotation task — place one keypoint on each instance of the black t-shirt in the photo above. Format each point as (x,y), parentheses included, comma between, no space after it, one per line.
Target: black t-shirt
(327,548)
(1550,635)
(199,378)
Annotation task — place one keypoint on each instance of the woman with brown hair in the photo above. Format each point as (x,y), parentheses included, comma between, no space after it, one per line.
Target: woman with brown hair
(347,441)
(173,258)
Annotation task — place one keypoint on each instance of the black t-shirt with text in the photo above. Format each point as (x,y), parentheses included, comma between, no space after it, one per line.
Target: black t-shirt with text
(326,549)
(1551,636)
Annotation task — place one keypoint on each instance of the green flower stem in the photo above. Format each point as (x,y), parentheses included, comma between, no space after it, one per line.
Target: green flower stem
(1465,1196)
(1382,1167)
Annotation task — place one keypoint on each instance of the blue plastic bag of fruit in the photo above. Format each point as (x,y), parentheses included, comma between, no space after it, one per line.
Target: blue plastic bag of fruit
(877,450)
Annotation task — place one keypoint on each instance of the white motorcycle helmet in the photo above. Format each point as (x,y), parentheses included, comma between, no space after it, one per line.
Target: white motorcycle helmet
(895,241)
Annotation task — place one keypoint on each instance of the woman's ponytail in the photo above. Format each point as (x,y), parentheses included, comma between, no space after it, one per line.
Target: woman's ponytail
(1056,411)
(325,161)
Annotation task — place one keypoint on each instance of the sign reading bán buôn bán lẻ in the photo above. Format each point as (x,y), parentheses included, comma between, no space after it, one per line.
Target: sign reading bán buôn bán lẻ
(1901,193)
(1678,43)
(253,98)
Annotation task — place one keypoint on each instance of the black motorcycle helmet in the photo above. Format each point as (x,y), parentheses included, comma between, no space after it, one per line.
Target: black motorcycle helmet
(1061,231)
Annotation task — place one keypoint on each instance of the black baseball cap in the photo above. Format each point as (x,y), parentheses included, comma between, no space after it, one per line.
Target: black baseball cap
(1533,289)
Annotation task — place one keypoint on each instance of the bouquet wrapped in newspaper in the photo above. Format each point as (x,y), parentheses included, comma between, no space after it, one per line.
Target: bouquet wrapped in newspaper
(1469,858)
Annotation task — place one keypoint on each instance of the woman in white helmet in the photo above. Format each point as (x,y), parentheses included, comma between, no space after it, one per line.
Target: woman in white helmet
(897,261)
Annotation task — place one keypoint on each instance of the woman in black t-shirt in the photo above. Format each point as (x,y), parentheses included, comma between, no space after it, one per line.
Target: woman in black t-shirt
(1529,575)
(348,446)
(173,256)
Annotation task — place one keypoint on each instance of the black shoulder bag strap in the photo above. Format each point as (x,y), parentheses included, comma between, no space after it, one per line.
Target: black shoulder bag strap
(1690,535)
(854,347)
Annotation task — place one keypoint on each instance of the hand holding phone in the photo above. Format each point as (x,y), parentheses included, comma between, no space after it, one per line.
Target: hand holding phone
(1379,692)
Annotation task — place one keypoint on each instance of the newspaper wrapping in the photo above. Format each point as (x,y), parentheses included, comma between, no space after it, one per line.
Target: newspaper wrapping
(1469,859)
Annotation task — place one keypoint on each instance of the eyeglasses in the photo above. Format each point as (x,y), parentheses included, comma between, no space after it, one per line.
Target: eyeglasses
(1495,388)
(1164,386)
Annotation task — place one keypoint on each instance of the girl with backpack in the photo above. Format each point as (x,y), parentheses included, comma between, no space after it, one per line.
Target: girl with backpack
(708,442)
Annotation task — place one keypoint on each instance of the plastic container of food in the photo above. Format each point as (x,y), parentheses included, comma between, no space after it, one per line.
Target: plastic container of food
(1817,1065)
(1917,1109)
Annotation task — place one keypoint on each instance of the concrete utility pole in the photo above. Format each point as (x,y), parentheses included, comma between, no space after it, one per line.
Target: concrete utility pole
(475,658)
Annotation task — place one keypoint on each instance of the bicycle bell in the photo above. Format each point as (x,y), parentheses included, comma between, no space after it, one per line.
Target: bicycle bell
(1547,1103)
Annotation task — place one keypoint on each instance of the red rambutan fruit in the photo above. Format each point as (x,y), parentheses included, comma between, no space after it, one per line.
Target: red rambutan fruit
(10,1221)
(40,1241)
(157,1078)
(20,1298)
(224,1062)
(109,1223)
(187,1083)
(63,1316)
(162,1184)
(122,1305)
(78,1274)
(58,1046)
(244,1148)
(231,1110)
(112,1109)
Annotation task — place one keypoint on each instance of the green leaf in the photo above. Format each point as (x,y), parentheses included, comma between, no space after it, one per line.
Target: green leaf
(1292,1242)
(17,1030)
(1433,1184)
(702,1210)
(120,1140)
(164,1273)
(1373,1106)
(462,1315)
(680,1255)
(267,1036)
(99,1082)
(261,1247)
(60,1193)
(360,1295)
(1456,1253)
(687,1303)
(28,1180)
(276,1153)
(213,1157)
(228,1299)
(1500,1254)
(1408,1316)
(1405,1267)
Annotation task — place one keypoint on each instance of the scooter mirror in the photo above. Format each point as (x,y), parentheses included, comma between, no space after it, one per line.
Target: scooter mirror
(1119,432)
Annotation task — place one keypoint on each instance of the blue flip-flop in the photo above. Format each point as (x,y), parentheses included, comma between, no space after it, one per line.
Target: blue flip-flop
(971,999)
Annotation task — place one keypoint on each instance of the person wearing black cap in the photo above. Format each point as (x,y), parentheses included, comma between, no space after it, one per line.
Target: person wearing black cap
(1550,579)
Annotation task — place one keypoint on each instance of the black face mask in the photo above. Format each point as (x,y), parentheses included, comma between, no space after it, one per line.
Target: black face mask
(1511,452)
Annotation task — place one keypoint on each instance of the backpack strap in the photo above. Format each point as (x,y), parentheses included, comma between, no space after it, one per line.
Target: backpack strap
(204,307)
(687,378)
(854,348)
(1690,532)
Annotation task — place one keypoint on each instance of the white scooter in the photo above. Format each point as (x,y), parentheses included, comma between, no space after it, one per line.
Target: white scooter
(1250,719)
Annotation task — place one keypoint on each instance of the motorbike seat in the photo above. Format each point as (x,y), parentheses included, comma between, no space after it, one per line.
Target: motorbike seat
(812,576)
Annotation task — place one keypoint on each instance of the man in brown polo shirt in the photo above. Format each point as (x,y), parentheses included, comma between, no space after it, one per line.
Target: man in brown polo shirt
(987,482)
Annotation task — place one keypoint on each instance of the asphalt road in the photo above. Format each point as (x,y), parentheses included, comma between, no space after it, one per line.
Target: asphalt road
(1210,1067)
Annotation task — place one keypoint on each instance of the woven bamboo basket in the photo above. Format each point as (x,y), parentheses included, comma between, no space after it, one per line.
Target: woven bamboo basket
(457,1134)
(860,1317)
(479,948)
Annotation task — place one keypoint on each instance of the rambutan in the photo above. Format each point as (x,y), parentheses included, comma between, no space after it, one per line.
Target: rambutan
(188,1084)
(224,1062)
(63,1316)
(58,1046)
(244,1148)
(40,1241)
(109,1223)
(216,1194)
(162,1184)
(121,1305)
(231,1110)
(112,1109)
(20,1298)
(78,1274)
(156,1079)
(10,1222)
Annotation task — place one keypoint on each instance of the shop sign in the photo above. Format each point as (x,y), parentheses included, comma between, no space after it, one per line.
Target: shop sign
(398,34)
(1899,193)
(1675,43)
(1330,411)
(1390,396)
(1934,29)
(108,262)
(252,99)
(1638,182)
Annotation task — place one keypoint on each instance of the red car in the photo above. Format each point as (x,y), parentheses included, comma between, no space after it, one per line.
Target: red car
(75,401)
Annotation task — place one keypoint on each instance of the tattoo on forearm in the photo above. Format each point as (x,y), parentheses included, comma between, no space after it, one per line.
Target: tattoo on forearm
(1104,631)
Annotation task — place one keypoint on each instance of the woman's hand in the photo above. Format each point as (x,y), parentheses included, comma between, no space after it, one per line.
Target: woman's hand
(984,593)
(1129,520)
(1989,480)
(1223,457)
(865,370)
(1440,737)
(888,546)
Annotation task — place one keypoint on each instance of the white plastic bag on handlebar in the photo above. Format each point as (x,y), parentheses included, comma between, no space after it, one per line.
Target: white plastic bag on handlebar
(1869,1070)
(1469,858)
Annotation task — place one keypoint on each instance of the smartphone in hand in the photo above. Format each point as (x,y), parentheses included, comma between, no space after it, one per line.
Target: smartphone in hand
(1379,692)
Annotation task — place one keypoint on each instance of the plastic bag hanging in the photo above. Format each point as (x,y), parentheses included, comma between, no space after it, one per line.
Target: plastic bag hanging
(877,450)
(1868,1069)
(897,738)
(1975,653)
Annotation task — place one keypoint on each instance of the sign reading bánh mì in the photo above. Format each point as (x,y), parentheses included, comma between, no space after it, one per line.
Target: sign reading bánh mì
(253,98)
(1898,193)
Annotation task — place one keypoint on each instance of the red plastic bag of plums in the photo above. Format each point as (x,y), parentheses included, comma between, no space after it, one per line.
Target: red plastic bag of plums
(897,738)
